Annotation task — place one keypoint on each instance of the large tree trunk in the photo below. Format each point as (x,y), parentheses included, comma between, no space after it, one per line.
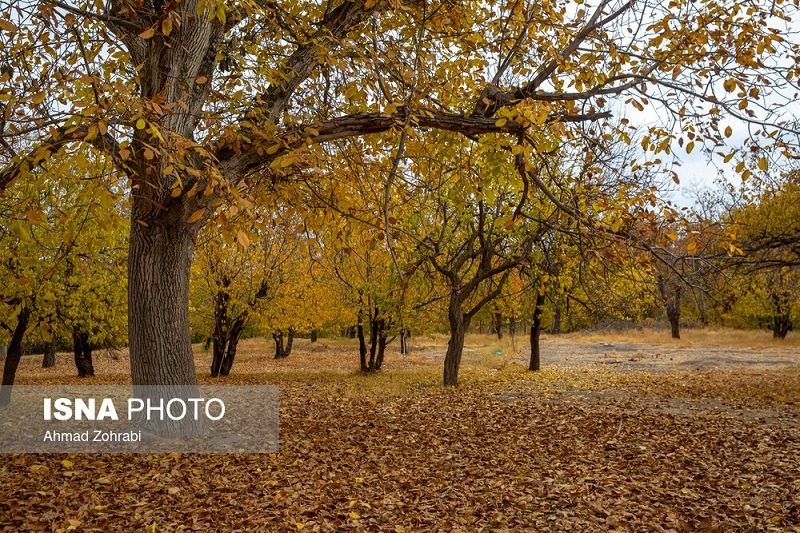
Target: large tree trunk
(536,331)
(13,355)
(162,363)
(49,358)
(455,346)
(158,304)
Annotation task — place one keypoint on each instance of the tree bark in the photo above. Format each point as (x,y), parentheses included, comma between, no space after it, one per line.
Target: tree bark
(781,314)
(221,335)
(49,358)
(555,327)
(158,304)
(287,349)
(671,295)
(536,331)
(498,325)
(362,344)
(403,341)
(278,338)
(83,353)
(233,340)
(13,356)
(162,362)
(313,335)
(382,341)
(455,346)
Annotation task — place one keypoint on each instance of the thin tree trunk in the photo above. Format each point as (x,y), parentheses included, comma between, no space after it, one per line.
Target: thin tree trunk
(83,353)
(455,346)
(233,340)
(536,331)
(287,350)
(278,338)
(671,295)
(219,343)
(313,335)
(555,327)
(498,325)
(781,315)
(362,344)
(403,342)
(374,332)
(381,350)
(674,317)
(13,356)
(220,338)
(49,358)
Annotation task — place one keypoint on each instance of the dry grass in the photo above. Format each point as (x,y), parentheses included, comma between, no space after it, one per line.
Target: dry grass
(690,338)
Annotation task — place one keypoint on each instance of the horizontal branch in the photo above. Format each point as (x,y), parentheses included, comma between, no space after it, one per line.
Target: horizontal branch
(361,124)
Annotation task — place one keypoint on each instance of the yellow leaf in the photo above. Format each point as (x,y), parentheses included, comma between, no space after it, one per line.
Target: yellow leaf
(762,164)
(8,26)
(690,147)
(201,80)
(195,216)
(91,133)
(141,124)
(148,33)
(729,85)
(243,239)
(272,149)
(38,98)
(67,463)
(354,515)
(166,26)
(728,131)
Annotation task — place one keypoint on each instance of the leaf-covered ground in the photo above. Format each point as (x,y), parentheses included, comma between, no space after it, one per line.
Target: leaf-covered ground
(582,448)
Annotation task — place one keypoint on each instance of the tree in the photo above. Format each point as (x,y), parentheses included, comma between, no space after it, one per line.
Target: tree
(60,244)
(189,99)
